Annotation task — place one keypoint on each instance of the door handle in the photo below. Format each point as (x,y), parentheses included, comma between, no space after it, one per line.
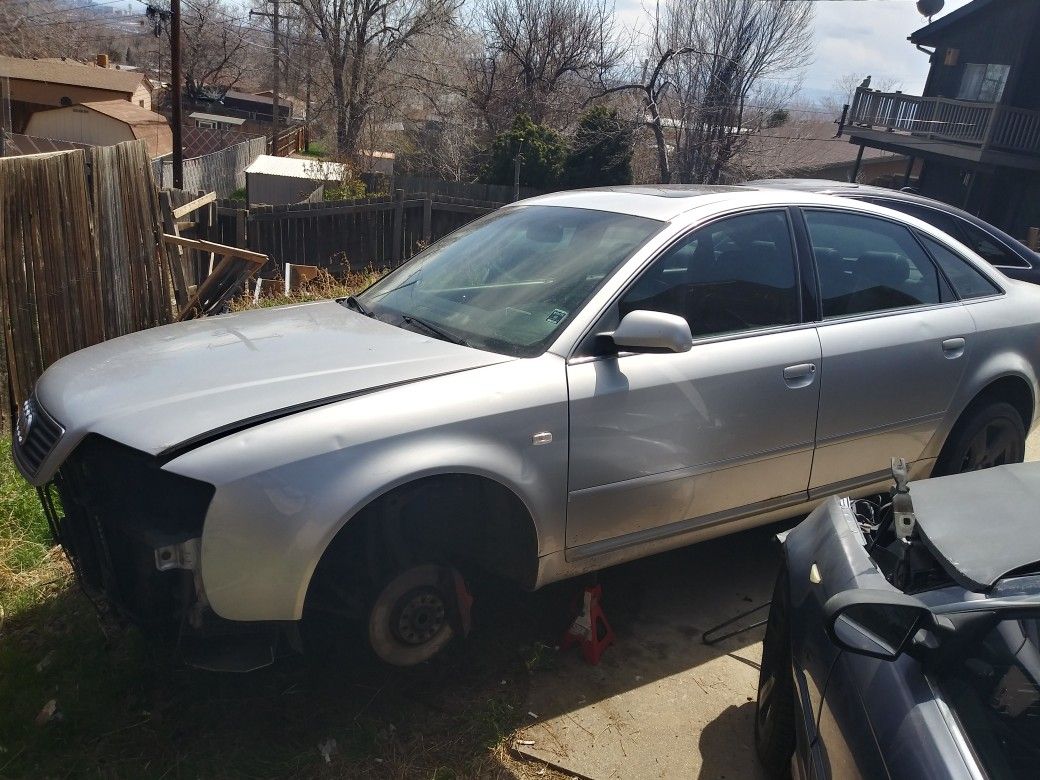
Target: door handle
(800,375)
(953,348)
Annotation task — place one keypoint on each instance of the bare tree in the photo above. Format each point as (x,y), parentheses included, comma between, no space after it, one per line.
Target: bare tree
(363,40)
(710,78)
(541,56)
(215,54)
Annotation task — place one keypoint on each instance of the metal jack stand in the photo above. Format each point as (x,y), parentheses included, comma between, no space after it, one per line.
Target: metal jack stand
(708,637)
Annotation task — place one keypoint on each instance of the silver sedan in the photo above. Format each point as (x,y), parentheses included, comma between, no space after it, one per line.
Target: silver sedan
(571,382)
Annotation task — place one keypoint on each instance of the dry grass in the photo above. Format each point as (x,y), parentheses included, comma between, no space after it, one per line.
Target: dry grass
(30,566)
(325,287)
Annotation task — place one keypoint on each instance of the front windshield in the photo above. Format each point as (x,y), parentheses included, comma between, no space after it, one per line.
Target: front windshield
(510,281)
(993,686)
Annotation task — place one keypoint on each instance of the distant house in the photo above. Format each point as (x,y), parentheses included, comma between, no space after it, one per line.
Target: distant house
(278,180)
(103,124)
(803,148)
(977,126)
(216,121)
(37,85)
(258,107)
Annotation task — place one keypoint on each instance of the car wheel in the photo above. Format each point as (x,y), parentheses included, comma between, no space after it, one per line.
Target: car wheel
(774,713)
(411,619)
(990,436)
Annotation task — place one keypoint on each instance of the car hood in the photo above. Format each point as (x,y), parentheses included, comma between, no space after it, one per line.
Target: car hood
(170,386)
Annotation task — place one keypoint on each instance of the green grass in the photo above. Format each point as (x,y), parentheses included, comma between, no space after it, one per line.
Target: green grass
(28,564)
(315,149)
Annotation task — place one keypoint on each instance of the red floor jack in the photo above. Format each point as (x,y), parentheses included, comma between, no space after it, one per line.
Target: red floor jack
(590,627)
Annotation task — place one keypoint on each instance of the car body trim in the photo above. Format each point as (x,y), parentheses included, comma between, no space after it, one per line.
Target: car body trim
(593,549)
(843,437)
(693,471)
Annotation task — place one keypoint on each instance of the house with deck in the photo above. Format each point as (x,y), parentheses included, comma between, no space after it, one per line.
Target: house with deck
(976,127)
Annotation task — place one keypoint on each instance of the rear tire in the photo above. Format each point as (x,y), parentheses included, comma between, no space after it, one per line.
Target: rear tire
(775,707)
(991,435)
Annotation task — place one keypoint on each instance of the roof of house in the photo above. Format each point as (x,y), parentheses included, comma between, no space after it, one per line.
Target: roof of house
(234,94)
(799,146)
(125,111)
(927,33)
(297,168)
(224,120)
(72,73)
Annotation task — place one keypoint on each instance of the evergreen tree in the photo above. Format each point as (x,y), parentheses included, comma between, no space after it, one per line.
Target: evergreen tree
(542,153)
(601,154)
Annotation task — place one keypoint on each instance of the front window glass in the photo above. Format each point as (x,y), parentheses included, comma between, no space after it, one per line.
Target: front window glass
(867,264)
(509,282)
(732,275)
(992,684)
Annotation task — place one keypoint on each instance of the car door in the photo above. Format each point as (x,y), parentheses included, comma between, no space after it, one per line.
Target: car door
(894,342)
(665,443)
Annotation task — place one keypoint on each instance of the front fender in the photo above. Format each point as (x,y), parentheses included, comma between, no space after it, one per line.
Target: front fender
(285,489)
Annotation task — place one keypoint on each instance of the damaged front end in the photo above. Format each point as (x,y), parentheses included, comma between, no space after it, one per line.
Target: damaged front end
(132,532)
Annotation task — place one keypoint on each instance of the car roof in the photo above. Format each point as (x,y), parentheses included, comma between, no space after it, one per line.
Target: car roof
(852,189)
(981,526)
(668,201)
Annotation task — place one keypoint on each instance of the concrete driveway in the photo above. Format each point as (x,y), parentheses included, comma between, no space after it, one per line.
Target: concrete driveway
(661,704)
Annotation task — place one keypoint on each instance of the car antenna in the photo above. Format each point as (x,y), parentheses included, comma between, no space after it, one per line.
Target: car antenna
(902,505)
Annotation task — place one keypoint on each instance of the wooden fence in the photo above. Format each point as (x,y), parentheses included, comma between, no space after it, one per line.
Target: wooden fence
(221,172)
(493,193)
(344,235)
(81,256)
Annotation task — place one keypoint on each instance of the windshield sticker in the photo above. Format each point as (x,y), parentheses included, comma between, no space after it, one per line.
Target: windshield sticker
(556,316)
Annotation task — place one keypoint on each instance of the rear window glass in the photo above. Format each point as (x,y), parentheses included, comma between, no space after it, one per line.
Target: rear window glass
(867,264)
(967,281)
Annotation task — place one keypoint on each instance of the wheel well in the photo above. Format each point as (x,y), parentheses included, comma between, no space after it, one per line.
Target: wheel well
(466,520)
(1010,389)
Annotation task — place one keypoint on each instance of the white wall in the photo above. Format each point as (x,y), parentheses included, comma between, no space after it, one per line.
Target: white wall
(76,123)
(265,188)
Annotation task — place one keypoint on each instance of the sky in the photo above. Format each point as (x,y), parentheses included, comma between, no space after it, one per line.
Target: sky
(851,36)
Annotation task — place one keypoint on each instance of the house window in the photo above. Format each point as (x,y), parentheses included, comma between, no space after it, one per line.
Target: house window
(140,103)
(984,83)
(206,124)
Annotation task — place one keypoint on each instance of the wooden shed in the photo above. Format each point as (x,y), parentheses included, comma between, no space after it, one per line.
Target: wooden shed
(103,124)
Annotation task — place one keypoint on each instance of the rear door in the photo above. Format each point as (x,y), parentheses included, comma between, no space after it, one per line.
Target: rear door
(894,341)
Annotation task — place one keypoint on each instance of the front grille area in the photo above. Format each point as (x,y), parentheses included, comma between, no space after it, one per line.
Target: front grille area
(35,434)
(116,507)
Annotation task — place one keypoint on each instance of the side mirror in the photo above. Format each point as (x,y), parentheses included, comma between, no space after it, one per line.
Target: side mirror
(875,623)
(645,331)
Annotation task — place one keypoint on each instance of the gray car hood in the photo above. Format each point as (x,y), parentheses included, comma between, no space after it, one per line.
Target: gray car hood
(164,387)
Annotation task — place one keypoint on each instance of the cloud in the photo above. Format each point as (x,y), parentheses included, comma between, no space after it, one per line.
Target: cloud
(855,36)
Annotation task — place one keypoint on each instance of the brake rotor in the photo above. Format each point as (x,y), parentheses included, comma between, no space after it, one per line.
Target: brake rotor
(410,621)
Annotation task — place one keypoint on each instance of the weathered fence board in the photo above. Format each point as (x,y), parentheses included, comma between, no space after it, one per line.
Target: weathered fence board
(79,256)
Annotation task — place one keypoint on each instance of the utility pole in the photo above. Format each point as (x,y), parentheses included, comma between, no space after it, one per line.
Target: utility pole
(275,18)
(177,83)
(517,159)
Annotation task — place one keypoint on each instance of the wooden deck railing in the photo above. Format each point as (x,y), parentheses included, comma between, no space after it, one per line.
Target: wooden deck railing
(987,125)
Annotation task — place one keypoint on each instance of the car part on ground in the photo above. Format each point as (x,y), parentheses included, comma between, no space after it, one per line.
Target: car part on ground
(571,382)
(915,651)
